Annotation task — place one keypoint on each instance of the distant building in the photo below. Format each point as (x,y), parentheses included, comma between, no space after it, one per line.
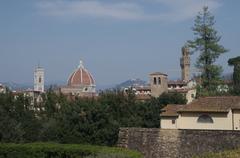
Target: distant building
(187,88)
(80,83)
(35,98)
(210,113)
(158,84)
(3,89)
(185,64)
(39,79)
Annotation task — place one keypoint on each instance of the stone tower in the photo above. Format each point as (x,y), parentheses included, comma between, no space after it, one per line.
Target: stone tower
(39,79)
(158,84)
(185,64)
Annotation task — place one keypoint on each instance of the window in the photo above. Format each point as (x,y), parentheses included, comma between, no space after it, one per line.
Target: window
(40,80)
(205,119)
(159,80)
(173,121)
(155,80)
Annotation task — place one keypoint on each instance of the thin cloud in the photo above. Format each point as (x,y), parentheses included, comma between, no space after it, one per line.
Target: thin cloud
(177,10)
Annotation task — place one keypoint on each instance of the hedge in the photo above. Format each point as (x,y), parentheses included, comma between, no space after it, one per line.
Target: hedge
(52,150)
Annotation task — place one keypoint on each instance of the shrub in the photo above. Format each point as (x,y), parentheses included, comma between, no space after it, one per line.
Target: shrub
(51,150)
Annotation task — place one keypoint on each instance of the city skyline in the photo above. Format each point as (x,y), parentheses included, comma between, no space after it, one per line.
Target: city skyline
(116,40)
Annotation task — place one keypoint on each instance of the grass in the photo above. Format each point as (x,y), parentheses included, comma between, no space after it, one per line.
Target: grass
(226,154)
(54,150)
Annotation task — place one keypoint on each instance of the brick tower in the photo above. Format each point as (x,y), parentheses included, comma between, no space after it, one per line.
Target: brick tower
(185,64)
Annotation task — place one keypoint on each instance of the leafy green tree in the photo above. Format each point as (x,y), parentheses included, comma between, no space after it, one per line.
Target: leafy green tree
(236,73)
(206,43)
(172,98)
(79,120)
(18,122)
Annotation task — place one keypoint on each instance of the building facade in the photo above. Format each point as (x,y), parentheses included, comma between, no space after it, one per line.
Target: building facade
(158,83)
(186,88)
(208,113)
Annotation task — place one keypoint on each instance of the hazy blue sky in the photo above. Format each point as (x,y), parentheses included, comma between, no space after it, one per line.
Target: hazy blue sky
(116,39)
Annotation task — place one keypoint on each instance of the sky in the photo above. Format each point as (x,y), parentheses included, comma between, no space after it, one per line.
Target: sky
(116,39)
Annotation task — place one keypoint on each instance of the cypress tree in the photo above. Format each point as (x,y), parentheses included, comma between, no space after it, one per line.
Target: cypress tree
(236,73)
(206,43)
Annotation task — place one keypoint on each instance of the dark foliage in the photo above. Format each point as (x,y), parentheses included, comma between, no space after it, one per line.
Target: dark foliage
(50,150)
(236,74)
(91,121)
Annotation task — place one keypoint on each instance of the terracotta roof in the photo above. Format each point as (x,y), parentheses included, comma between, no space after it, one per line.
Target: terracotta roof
(213,104)
(80,77)
(177,82)
(171,110)
(158,73)
(144,88)
(182,90)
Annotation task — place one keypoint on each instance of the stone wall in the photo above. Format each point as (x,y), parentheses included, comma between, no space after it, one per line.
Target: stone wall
(161,143)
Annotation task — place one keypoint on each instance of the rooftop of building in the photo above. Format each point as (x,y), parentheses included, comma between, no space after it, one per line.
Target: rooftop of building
(157,73)
(177,82)
(81,76)
(213,104)
(218,104)
(171,110)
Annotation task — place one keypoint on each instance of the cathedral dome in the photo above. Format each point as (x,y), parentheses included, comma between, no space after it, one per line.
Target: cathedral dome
(81,77)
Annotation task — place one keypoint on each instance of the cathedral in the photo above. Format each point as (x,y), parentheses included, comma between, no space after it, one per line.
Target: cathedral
(80,83)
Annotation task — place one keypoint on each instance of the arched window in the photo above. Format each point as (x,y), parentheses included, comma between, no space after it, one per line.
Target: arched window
(159,80)
(205,119)
(154,80)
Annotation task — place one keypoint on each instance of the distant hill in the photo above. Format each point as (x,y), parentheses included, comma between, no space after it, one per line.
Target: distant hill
(25,86)
(130,83)
(17,86)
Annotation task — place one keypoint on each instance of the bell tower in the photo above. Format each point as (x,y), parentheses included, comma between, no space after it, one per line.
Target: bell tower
(185,64)
(39,79)
(158,84)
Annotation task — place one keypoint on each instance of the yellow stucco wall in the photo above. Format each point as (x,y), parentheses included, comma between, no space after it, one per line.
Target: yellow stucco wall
(166,123)
(221,121)
(236,119)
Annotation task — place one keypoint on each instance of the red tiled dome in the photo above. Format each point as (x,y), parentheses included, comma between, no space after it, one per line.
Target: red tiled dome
(81,77)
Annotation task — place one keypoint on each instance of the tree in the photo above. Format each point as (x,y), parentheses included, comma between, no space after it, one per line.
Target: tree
(172,98)
(236,74)
(206,42)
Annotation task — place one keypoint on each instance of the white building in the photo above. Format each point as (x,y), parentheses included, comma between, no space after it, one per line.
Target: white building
(39,79)
(208,113)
